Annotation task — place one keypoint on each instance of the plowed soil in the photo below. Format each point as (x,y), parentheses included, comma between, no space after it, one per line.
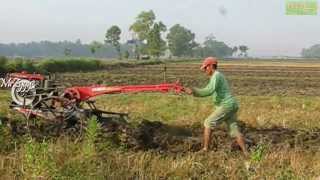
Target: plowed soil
(244,79)
(163,138)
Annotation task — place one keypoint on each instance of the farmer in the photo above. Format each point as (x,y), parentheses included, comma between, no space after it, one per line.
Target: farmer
(226,104)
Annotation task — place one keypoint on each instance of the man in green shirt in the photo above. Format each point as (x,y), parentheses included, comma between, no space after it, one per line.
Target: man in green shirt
(226,105)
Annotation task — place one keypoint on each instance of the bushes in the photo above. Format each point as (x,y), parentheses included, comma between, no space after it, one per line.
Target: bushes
(21,65)
(92,131)
(3,62)
(71,65)
(38,160)
(16,65)
(64,65)
(49,65)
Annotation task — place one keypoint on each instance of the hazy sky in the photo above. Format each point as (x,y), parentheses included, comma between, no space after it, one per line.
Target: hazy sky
(262,25)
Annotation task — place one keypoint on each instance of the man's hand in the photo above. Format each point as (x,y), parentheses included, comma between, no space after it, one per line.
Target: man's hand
(188,91)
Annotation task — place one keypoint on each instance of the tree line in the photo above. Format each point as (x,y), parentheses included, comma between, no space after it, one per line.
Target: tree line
(311,52)
(59,49)
(150,39)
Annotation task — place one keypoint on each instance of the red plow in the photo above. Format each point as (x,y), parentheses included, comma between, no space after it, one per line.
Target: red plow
(36,95)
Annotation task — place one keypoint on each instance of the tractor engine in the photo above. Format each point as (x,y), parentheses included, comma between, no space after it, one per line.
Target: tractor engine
(36,95)
(29,89)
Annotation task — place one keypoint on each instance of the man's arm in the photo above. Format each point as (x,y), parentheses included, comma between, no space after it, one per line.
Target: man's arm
(207,91)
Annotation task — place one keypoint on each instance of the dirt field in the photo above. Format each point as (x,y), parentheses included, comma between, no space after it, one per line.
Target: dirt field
(279,115)
(286,79)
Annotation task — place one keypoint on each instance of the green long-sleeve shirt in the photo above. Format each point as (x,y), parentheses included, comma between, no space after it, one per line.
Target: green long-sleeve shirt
(219,89)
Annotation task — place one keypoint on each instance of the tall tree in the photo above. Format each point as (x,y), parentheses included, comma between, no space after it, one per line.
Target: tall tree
(113,38)
(143,24)
(180,41)
(212,47)
(156,45)
(148,34)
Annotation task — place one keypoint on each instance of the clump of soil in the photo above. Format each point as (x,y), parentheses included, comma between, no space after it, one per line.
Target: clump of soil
(169,138)
(152,135)
(155,135)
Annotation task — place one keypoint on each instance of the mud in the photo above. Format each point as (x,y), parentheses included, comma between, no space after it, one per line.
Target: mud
(160,137)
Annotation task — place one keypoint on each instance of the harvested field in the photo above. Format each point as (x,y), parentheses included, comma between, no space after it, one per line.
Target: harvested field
(285,80)
(279,115)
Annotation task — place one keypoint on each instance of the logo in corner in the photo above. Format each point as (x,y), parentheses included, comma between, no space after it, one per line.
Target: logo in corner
(301,7)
